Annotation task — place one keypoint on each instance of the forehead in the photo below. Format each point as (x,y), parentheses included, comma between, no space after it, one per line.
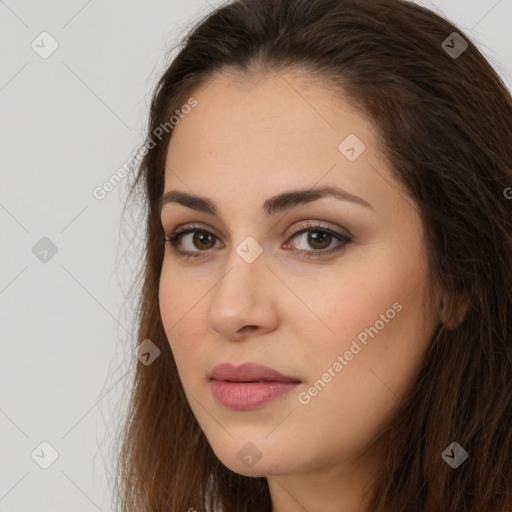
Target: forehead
(290,106)
(235,112)
(267,132)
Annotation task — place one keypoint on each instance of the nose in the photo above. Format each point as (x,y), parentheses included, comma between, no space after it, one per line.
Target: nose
(244,300)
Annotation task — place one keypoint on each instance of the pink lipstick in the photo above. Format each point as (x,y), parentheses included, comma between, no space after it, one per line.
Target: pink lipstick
(248,386)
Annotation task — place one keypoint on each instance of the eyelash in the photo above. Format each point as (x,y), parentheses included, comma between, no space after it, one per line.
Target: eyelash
(176,237)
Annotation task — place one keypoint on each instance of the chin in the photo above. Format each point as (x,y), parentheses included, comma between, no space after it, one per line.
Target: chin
(249,461)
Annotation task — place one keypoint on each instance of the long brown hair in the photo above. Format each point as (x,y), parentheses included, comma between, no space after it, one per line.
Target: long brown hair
(445,125)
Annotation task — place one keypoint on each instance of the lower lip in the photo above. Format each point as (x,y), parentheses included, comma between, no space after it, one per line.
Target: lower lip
(241,396)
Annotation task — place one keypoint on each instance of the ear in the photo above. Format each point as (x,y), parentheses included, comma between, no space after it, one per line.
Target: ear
(452,312)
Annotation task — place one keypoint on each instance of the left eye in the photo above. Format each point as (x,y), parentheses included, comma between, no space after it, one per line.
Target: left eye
(317,237)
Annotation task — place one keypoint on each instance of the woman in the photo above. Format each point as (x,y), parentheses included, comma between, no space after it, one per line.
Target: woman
(328,268)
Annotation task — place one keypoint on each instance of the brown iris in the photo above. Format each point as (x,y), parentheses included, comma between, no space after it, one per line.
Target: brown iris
(319,237)
(202,237)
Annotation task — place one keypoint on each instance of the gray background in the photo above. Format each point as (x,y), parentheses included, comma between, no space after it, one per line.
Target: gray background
(67,123)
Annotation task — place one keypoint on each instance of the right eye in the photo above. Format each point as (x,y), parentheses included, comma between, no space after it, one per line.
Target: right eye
(201,238)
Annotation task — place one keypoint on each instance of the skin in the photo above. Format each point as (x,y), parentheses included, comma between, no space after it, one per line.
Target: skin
(248,139)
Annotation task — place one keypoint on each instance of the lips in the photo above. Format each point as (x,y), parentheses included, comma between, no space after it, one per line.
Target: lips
(249,372)
(249,386)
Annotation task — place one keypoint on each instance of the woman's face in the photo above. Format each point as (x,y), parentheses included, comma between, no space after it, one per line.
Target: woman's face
(329,290)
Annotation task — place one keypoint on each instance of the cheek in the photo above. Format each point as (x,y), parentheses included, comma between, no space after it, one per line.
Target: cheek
(378,288)
(180,307)
(367,348)
(180,295)
(341,305)
(372,310)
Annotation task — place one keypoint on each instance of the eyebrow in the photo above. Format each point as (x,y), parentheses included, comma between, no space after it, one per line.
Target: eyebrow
(271,206)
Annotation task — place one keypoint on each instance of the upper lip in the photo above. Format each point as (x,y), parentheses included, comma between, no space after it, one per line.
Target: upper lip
(248,372)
